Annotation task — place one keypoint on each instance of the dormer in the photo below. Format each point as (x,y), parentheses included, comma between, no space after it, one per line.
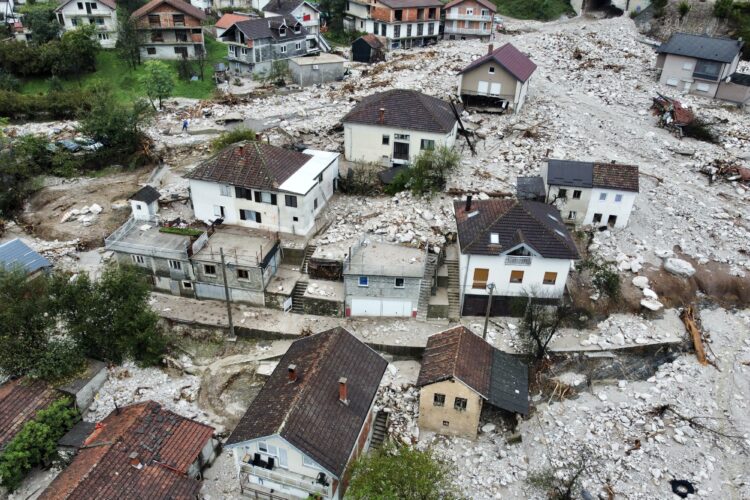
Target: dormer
(298,28)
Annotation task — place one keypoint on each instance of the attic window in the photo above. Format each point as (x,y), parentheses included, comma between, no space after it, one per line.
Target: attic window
(297,28)
(560,233)
(282,31)
(494,238)
(491,70)
(472,214)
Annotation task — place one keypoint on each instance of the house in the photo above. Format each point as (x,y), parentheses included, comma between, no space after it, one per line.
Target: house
(144,204)
(100,13)
(15,254)
(256,185)
(386,279)
(699,64)
(254,45)
(531,188)
(227,20)
(316,69)
(368,48)
(516,248)
(467,19)
(591,193)
(138,451)
(310,421)
(735,89)
(460,373)
(392,127)
(171,29)
(499,79)
(20,400)
(403,23)
(304,12)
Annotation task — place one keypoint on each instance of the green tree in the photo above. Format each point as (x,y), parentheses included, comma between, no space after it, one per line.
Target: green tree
(119,127)
(40,18)
(78,50)
(400,472)
(429,173)
(129,39)
(540,323)
(110,319)
(158,80)
(723,8)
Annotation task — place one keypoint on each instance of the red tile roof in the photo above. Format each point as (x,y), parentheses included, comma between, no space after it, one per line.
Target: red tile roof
(20,400)
(513,60)
(180,5)
(166,445)
(227,20)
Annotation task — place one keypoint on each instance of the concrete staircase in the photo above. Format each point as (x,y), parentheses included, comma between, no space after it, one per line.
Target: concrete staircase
(309,250)
(454,285)
(379,430)
(298,297)
(424,292)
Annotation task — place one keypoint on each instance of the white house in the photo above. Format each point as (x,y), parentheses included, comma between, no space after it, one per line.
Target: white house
(591,193)
(311,419)
(303,11)
(516,248)
(393,127)
(101,13)
(257,185)
(144,204)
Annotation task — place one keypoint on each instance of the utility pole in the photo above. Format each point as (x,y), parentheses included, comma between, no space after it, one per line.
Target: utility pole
(491,288)
(232,336)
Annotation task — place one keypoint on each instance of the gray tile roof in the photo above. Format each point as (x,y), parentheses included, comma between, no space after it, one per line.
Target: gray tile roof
(268,27)
(146,194)
(509,384)
(530,188)
(406,109)
(701,47)
(16,253)
(284,6)
(513,60)
(586,174)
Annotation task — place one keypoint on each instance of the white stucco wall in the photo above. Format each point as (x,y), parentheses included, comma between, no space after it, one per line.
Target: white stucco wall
(70,13)
(609,206)
(365,142)
(580,206)
(521,92)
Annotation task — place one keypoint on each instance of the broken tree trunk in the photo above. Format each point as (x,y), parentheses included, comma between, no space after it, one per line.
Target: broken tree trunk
(688,317)
(464,132)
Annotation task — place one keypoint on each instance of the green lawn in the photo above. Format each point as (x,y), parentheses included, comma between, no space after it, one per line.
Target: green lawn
(543,10)
(125,82)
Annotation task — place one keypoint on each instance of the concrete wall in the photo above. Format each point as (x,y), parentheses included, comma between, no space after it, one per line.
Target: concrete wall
(570,204)
(365,142)
(381,287)
(733,93)
(460,423)
(85,396)
(166,51)
(309,74)
(469,81)
(142,210)
(261,54)
(609,206)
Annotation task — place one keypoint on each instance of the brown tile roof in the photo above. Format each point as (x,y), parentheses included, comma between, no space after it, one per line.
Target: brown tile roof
(592,174)
(373,41)
(536,224)
(228,20)
(407,109)
(308,413)
(20,400)
(457,353)
(513,60)
(491,6)
(614,176)
(166,444)
(179,5)
(250,165)
(406,4)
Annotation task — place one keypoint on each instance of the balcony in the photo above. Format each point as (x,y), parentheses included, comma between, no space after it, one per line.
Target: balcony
(467,17)
(288,478)
(515,260)
(466,31)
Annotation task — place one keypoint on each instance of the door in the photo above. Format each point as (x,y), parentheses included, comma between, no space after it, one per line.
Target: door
(396,308)
(366,307)
(612,221)
(495,89)
(482,88)
(401,151)
(207,291)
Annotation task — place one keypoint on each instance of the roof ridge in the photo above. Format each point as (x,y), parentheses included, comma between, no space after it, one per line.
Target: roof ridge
(547,228)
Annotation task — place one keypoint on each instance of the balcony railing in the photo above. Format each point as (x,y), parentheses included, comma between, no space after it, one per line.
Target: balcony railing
(514,260)
(467,17)
(289,479)
(467,31)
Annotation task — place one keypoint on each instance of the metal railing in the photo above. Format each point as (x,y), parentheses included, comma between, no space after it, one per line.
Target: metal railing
(288,478)
(514,260)
(467,31)
(467,17)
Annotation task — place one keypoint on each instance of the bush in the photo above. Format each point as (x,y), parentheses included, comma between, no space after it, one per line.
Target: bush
(361,179)
(55,105)
(723,8)
(700,130)
(9,82)
(239,134)
(429,173)
(604,276)
(683,8)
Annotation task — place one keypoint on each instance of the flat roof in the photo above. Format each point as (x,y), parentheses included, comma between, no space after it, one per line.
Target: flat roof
(304,179)
(144,237)
(386,259)
(322,58)
(241,246)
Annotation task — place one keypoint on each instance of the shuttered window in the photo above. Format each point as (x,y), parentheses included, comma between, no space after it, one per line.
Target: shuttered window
(480,278)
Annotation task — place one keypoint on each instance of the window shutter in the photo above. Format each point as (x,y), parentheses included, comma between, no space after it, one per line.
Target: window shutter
(257,217)
(238,192)
(257,196)
(273,199)
(242,215)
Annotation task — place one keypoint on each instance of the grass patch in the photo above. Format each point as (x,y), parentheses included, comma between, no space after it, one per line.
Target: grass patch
(125,82)
(543,10)
(182,231)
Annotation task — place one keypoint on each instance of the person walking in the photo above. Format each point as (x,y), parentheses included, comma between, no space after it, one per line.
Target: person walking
(185,124)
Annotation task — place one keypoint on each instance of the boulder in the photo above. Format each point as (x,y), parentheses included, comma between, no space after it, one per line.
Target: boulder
(651,304)
(679,267)
(640,281)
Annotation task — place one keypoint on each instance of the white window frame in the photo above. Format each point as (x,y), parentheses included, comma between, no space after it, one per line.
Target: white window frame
(688,66)
(205,271)
(245,270)
(367,281)
(175,264)
(298,46)
(491,70)
(282,49)
(225,190)
(138,259)
(309,463)
(572,214)
(217,210)
(187,284)
(265,197)
(494,239)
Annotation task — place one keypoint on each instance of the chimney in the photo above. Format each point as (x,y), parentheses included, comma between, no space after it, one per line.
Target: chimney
(381,118)
(241,149)
(343,396)
(490,48)
(292,373)
(135,461)
(468,203)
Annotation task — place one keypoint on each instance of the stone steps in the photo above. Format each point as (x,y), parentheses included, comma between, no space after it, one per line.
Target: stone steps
(379,430)
(298,297)
(424,292)
(454,285)
(309,250)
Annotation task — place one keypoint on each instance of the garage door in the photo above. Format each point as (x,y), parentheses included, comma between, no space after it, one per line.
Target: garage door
(365,307)
(495,89)
(396,308)
(482,88)
(380,307)
(206,291)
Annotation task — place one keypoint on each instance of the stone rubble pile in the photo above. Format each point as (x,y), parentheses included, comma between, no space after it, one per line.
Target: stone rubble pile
(619,330)
(401,402)
(86,215)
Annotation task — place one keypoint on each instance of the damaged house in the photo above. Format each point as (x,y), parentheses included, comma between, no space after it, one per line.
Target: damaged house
(170,29)
(461,373)
(497,81)
(392,127)
(304,12)
(402,23)
(591,193)
(310,421)
(468,19)
(511,249)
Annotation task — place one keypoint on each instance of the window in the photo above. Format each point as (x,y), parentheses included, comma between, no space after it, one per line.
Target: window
(283,461)
(399,14)
(103,36)
(618,198)
(154,20)
(401,137)
(480,278)
(250,215)
(702,87)
(459,404)
(209,269)
(438,400)
(295,219)
(308,463)
(602,196)
(572,215)
(398,283)
(562,193)
(516,276)
(383,27)
(290,200)
(577,194)
(182,51)
(420,29)
(549,278)
(446,423)
(672,82)
(283,49)
(93,6)
(100,21)
(80,5)
(597,218)
(265,197)
(687,66)
(386,140)
(363,281)
(138,206)
(430,28)
(427,144)
(243,193)
(708,70)
(151,51)
(297,46)
(74,21)
(494,239)
(408,30)
(297,29)
(243,274)
(178,19)
(138,259)
(187,284)
(315,204)
(225,190)
(319,178)
(491,70)
(176,265)
(262,447)
(397,31)
(218,211)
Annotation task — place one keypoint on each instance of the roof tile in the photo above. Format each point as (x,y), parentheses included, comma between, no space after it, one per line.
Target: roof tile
(406,109)
(513,60)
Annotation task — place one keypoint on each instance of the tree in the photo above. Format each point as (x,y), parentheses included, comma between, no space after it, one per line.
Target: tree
(78,50)
(723,8)
(119,127)
(129,39)
(333,12)
(540,324)
(400,472)
(429,173)
(278,73)
(40,18)
(201,61)
(158,81)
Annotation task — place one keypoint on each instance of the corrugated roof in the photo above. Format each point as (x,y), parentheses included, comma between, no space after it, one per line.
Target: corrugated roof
(180,5)
(406,109)
(308,413)
(592,174)
(535,224)
(701,47)
(16,253)
(510,58)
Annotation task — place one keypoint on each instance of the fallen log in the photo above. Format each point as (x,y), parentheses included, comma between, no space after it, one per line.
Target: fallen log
(688,317)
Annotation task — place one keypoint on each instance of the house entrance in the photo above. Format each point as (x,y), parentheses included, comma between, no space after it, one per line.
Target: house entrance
(612,220)
(400,148)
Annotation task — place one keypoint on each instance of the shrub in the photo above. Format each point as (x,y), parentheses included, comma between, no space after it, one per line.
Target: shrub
(55,105)
(429,173)
(604,276)
(361,179)
(9,82)
(700,130)
(234,136)
(723,8)
(183,231)
(683,8)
